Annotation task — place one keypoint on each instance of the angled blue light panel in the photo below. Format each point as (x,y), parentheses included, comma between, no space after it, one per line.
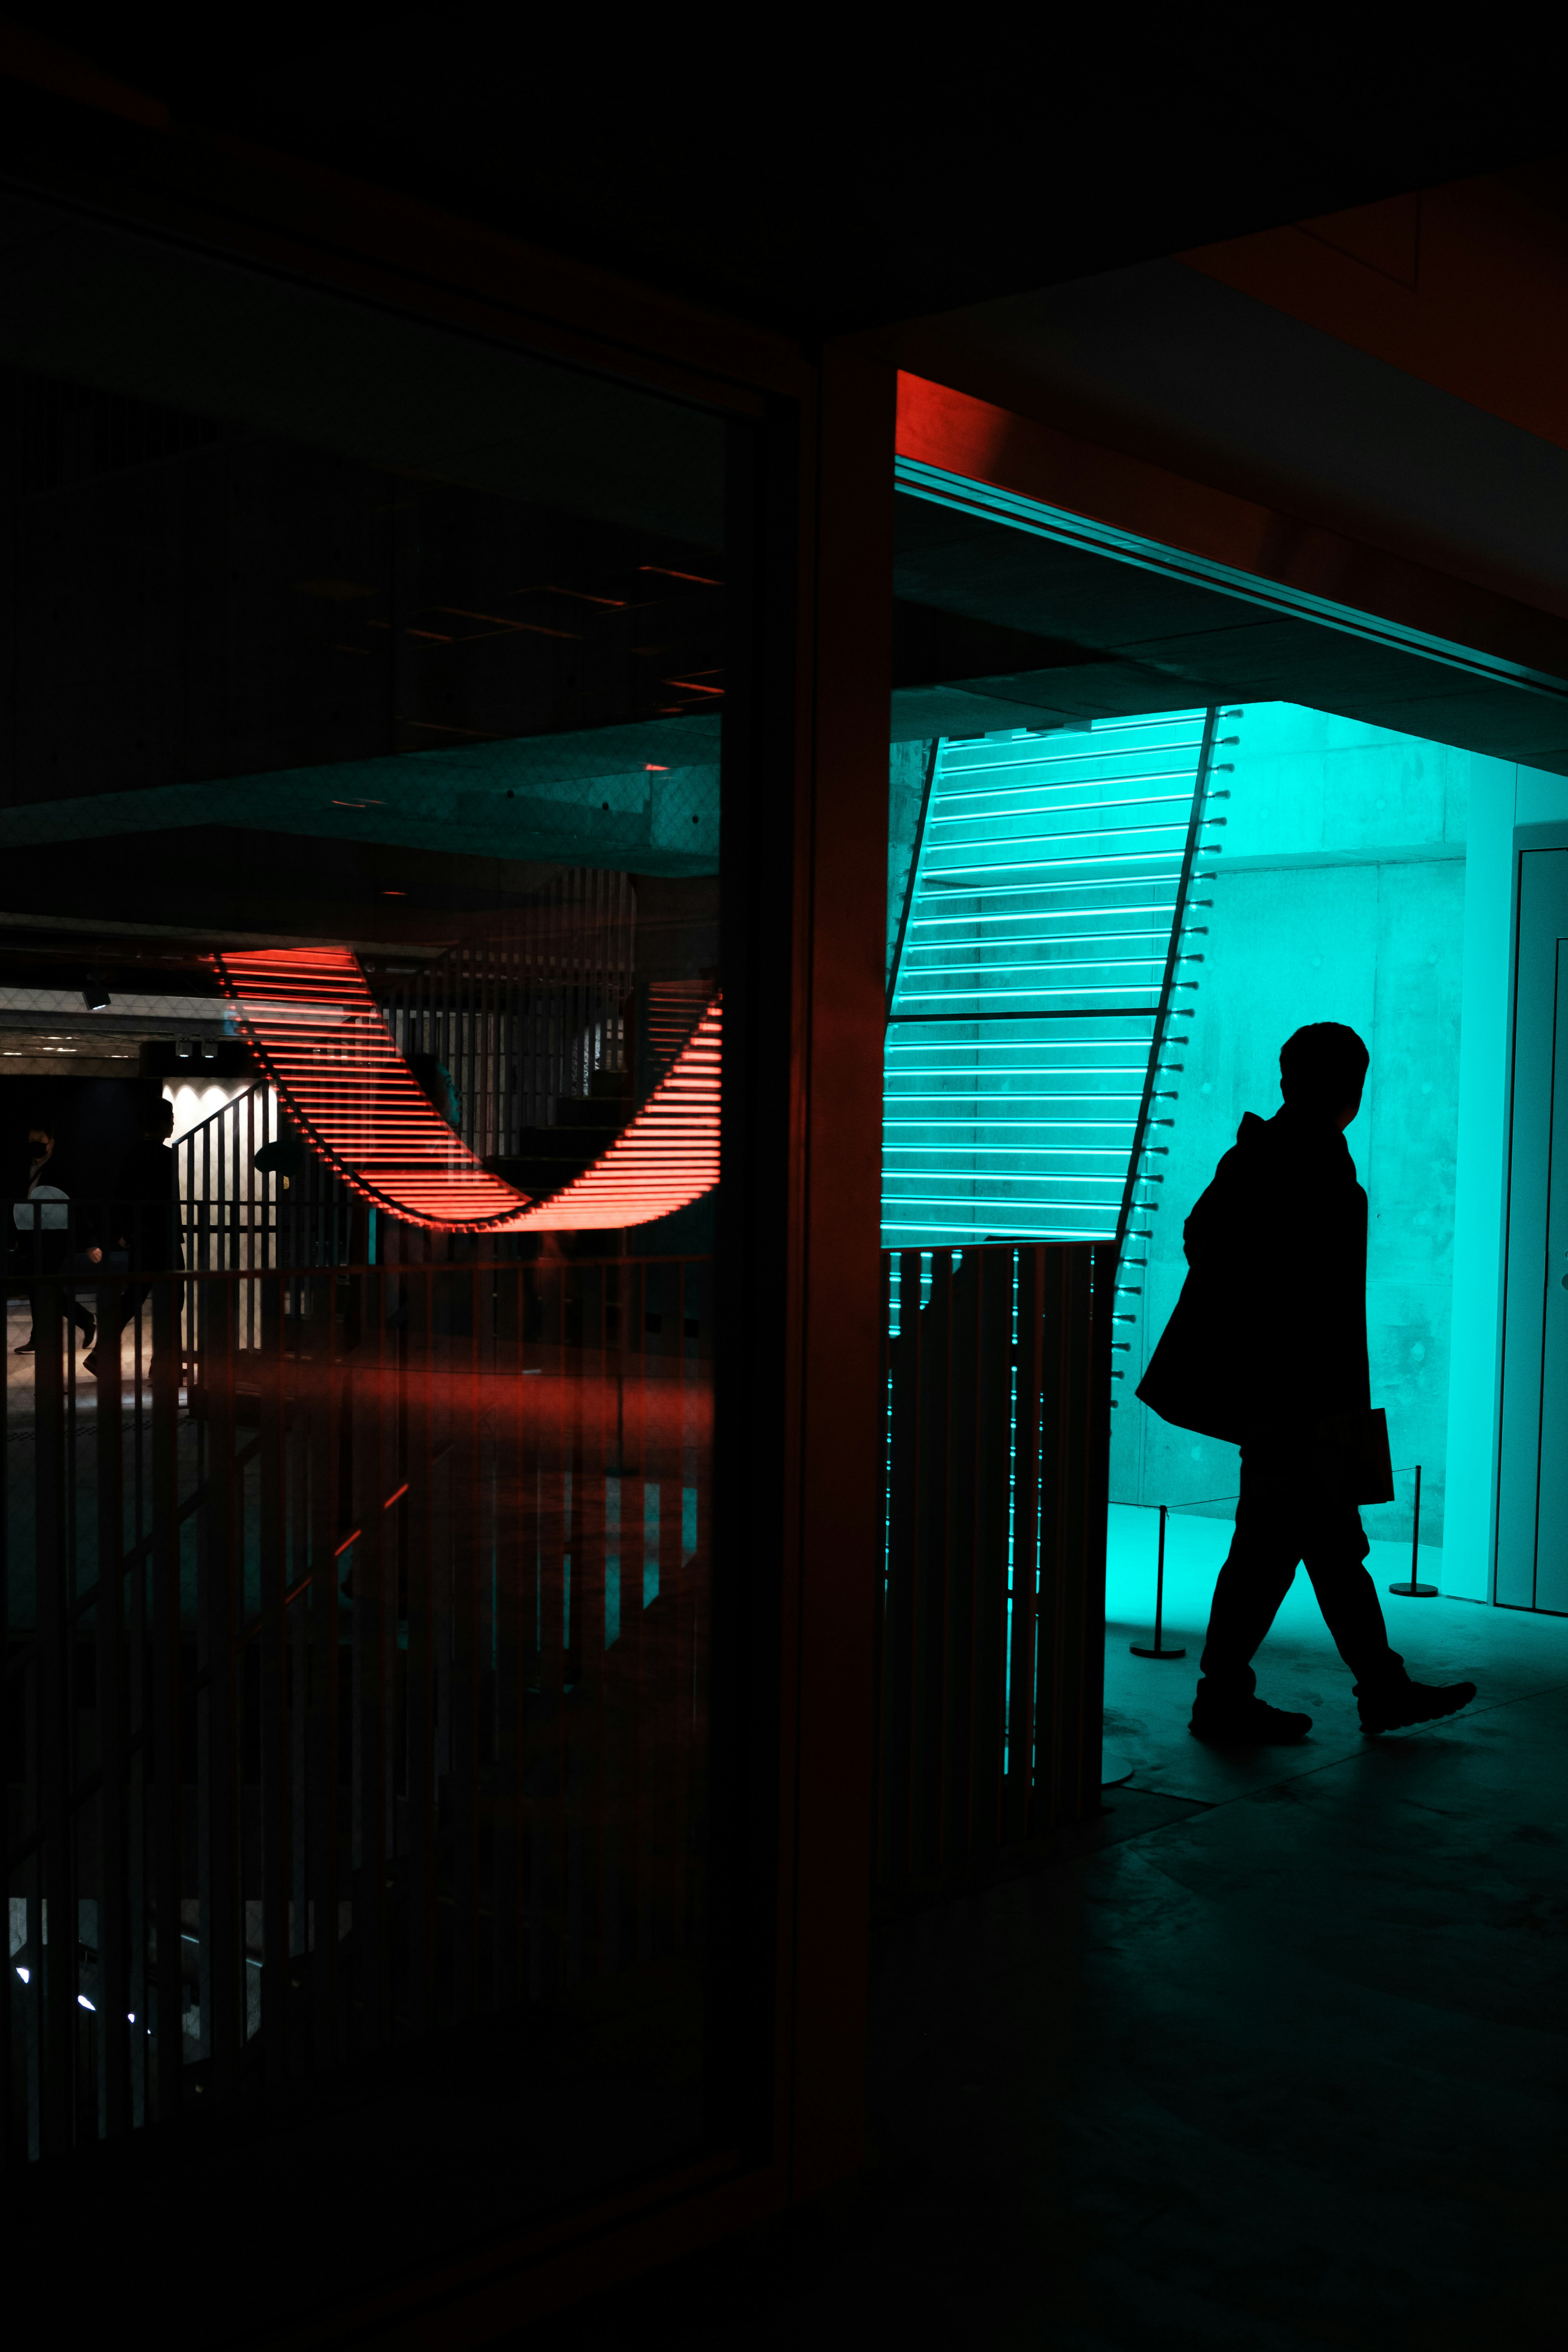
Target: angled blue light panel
(1028,987)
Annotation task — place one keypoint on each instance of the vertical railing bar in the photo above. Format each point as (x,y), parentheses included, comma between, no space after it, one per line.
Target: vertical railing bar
(222,1941)
(419,1737)
(114,1956)
(321,1870)
(168,2011)
(56,1963)
(463,1672)
(272,1684)
(374,1624)
(14,1740)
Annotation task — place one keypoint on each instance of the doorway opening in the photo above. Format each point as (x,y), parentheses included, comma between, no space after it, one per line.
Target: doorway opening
(1144,823)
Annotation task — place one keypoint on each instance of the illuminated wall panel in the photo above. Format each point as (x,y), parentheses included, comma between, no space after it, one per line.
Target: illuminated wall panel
(1028,975)
(1340,896)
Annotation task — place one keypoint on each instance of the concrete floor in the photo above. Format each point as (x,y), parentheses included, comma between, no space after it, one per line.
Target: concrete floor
(1281,2064)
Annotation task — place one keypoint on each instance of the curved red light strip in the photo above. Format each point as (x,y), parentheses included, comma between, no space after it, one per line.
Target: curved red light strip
(667,1157)
(316,1029)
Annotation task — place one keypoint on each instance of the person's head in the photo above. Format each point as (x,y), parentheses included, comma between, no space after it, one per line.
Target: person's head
(41,1136)
(1323,1069)
(159,1122)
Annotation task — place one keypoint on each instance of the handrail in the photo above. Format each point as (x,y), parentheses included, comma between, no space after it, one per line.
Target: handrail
(189,1134)
(1399,1470)
(1131,1205)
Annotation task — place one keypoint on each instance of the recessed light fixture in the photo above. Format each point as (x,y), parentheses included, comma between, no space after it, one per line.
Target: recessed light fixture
(94,994)
(181,1049)
(395,894)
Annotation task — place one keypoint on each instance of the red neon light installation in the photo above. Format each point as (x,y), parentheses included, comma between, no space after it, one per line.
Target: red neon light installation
(317,1031)
(667,1157)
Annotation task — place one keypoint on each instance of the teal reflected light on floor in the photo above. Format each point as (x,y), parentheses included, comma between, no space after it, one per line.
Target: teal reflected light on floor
(1027,976)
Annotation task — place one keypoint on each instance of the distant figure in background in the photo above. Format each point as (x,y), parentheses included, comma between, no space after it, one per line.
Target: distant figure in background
(1267,1349)
(43,1220)
(148,1186)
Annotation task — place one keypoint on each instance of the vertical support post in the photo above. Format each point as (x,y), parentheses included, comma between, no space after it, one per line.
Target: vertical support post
(113,1907)
(1159,1648)
(168,1709)
(374,1611)
(1026,1488)
(1159,1582)
(219,1878)
(419,1706)
(1414,1590)
(323,1700)
(272,1684)
(55,1962)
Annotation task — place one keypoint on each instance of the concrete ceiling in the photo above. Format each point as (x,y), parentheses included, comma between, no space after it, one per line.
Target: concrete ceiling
(825,178)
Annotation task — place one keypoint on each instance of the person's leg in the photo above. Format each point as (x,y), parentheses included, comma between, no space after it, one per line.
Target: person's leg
(1256,1576)
(72,1308)
(133,1297)
(1335,1550)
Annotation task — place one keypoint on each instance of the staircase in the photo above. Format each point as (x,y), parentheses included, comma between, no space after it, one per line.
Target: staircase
(1045,962)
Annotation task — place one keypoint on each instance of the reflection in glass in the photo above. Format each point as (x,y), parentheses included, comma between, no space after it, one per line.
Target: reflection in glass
(366,749)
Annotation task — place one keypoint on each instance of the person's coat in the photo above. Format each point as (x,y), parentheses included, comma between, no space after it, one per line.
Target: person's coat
(149,1183)
(1269,1333)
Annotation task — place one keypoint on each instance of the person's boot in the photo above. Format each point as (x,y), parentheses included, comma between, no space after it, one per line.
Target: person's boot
(1241,1719)
(1395,1705)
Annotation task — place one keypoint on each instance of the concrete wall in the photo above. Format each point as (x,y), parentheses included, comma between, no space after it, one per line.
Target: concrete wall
(1340,896)
(1480,1190)
(1366,877)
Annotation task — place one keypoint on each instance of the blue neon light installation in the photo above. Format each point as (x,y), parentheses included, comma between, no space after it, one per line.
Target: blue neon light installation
(1025,997)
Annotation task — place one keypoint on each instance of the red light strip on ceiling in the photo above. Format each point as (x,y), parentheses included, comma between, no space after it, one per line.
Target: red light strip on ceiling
(310,1019)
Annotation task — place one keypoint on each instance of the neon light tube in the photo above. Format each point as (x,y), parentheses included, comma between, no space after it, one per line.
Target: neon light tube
(318,1033)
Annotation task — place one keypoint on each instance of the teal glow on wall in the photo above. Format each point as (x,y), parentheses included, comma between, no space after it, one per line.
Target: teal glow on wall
(1367,877)
(1340,896)
(1027,969)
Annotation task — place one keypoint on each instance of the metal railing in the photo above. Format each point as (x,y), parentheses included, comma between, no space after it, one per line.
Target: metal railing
(532,1010)
(990,1629)
(354,1681)
(237,1216)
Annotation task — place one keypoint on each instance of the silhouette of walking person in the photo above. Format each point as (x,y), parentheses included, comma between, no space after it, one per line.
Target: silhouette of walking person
(43,1218)
(1266,1349)
(150,1184)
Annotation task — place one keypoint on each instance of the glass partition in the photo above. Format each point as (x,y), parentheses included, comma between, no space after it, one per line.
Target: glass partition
(360,1007)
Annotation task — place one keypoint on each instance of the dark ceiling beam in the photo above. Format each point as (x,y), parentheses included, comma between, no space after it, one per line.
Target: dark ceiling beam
(957,433)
